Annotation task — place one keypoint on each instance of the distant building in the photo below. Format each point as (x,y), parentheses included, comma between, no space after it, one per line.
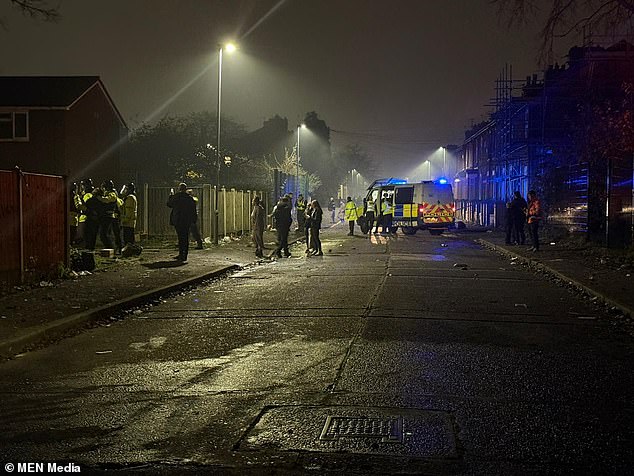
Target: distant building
(272,139)
(61,125)
(552,133)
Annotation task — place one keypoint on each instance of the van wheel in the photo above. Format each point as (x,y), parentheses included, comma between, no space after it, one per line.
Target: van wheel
(393,229)
(409,230)
(436,232)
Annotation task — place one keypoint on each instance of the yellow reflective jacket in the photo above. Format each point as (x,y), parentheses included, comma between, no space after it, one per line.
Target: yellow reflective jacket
(129,211)
(351,211)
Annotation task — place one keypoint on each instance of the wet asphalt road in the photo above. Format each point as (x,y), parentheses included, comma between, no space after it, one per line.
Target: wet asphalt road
(380,357)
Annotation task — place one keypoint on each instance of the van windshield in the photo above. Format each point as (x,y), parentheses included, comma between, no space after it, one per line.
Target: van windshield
(439,193)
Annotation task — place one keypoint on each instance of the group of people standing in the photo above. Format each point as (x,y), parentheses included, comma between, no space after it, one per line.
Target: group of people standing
(101,211)
(309,219)
(519,212)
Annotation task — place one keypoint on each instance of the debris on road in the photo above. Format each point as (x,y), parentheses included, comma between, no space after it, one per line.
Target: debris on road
(521,305)
(103,352)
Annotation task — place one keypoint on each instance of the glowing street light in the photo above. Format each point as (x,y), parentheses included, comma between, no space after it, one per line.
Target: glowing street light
(297,188)
(229,48)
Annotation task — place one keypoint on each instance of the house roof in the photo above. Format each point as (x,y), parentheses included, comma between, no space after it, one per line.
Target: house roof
(49,92)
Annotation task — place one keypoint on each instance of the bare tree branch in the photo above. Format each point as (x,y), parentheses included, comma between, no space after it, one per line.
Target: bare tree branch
(595,17)
(37,9)
(566,17)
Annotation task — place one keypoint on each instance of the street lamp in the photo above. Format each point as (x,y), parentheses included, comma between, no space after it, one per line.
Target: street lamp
(444,161)
(230,48)
(428,162)
(297,187)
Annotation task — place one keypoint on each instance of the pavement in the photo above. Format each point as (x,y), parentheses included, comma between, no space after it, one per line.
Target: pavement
(33,316)
(606,276)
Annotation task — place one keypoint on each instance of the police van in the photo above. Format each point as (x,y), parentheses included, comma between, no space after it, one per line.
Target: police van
(427,205)
(379,191)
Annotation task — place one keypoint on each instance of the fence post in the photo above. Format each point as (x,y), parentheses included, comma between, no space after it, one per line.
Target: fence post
(21,215)
(146,211)
(242,212)
(224,211)
(234,193)
(206,211)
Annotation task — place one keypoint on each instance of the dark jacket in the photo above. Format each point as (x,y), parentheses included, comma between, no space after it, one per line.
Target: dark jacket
(518,207)
(282,215)
(183,210)
(317,216)
(258,217)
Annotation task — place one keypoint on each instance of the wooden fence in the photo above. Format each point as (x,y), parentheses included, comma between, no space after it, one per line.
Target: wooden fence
(34,230)
(234,211)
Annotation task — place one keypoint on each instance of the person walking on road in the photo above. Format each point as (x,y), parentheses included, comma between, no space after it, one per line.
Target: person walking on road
(194,227)
(378,210)
(258,222)
(90,211)
(109,216)
(350,214)
(509,225)
(315,226)
(128,214)
(300,207)
(369,213)
(283,220)
(332,209)
(386,211)
(308,220)
(181,218)
(518,212)
(534,216)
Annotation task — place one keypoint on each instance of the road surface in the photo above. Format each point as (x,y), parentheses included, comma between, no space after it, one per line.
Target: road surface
(416,354)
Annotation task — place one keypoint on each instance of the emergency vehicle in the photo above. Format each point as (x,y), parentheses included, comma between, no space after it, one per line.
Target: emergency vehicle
(427,205)
(376,192)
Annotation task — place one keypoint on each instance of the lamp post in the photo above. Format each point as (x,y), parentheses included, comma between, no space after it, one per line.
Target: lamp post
(230,48)
(297,187)
(444,161)
(428,162)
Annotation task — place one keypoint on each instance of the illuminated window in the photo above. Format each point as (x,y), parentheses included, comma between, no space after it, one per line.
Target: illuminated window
(14,126)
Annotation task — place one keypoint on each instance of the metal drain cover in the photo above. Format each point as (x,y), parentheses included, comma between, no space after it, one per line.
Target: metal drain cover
(371,430)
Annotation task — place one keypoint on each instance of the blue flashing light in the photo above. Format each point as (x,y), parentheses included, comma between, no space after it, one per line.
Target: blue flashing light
(442,181)
(387,181)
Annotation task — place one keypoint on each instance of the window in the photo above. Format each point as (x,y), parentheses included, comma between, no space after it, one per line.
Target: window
(404,195)
(14,126)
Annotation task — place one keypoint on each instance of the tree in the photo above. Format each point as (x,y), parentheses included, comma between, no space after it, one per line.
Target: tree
(352,156)
(565,18)
(315,152)
(37,9)
(181,148)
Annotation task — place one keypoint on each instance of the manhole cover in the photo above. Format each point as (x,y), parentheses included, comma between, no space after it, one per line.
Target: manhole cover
(371,430)
(389,430)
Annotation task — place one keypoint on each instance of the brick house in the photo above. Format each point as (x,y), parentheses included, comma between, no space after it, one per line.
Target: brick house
(60,125)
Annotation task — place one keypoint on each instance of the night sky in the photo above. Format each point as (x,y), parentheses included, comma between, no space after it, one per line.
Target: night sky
(409,76)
